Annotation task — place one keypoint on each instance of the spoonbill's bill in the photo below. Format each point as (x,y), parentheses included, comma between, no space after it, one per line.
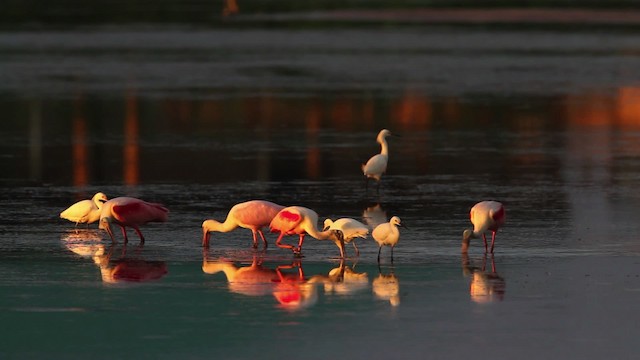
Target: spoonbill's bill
(377,164)
(387,234)
(85,211)
(253,215)
(346,231)
(297,220)
(485,216)
(131,212)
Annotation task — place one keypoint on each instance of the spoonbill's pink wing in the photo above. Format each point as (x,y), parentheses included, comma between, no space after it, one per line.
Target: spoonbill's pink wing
(139,212)
(285,221)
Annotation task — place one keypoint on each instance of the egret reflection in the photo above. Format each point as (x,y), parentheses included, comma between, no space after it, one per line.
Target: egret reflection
(374,215)
(387,287)
(342,280)
(486,286)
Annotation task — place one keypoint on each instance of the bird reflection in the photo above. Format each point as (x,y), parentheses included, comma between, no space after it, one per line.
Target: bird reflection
(342,280)
(485,286)
(374,215)
(126,269)
(387,287)
(286,283)
(86,243)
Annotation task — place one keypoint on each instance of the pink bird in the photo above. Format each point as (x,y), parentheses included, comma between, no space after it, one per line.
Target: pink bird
(131,212)
(485,216)
(253,215)
(297,220)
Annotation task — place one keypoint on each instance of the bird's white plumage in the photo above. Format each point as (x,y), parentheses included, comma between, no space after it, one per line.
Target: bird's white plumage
(85,211)
(377,164)
(387,234)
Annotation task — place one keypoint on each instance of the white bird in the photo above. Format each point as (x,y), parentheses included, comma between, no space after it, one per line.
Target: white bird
(132,212)
(377,164)
(387,234)
(85,211)
(346,231)
(485,216)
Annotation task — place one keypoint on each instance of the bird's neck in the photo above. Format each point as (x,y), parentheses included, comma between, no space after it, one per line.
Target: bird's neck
(228,225)
(384,148)
(320,235)
(213,267)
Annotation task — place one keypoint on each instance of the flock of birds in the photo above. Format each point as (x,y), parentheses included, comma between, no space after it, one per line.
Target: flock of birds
(486,216)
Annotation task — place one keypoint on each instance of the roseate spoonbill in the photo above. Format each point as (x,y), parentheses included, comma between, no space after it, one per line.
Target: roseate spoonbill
(485,286)
(127,270)
(485,216)
(377,164)
(297,220)
(131,212)
(85,211)
(253,280)
(252,215)
(387,234)
(346,231)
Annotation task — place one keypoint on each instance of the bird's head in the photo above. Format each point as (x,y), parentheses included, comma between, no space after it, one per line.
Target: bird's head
(395,221)
(105,223)
(327,224)
(207,227)
(383,134)
(467,235)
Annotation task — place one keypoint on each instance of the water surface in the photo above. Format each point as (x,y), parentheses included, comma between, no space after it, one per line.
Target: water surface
(201,119)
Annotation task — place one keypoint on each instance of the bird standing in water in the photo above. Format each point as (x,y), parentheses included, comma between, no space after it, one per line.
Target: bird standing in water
(485,216)
(131,212)
(387,234)
(253,215)
(377,164)
(297,220)
(346,231)
(85,211)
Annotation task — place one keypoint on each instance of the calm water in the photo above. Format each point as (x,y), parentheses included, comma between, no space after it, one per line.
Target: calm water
(202,119)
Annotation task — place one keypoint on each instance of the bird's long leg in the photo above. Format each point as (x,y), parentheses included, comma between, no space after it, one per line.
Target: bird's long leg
(379,250)
(356,248)
(255,239)
(139,234)
(263,239)
(110,232)
(284,246)
(391,254)
(493,240)
(300,241)
(484,237)
(124,233)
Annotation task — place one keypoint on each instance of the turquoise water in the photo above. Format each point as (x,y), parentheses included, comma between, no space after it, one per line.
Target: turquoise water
(201,119)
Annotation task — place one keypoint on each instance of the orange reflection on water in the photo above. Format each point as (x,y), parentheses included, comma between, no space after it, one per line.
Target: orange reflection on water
(412,111)
(131,148)
(628,107)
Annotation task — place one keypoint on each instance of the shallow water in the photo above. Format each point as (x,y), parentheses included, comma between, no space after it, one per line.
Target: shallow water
(202,119)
